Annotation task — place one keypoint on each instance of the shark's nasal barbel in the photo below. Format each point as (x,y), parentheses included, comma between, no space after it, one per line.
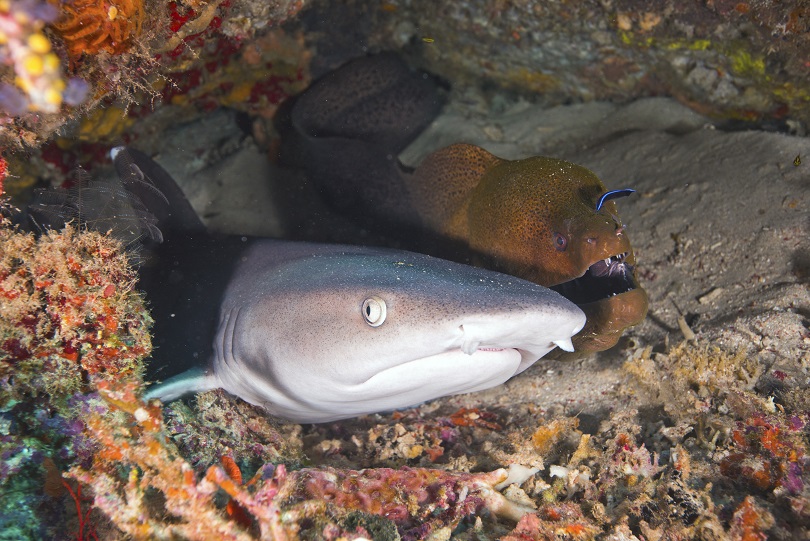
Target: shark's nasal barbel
(565,344)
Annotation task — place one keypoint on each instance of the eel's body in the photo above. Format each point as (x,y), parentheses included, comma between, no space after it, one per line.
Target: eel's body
(539,218)
(317,332)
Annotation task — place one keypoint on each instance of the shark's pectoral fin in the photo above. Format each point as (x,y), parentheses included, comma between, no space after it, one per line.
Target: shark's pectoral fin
(196,380)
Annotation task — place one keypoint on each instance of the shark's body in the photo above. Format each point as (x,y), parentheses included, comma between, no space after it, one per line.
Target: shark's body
(292,335)
(317,332)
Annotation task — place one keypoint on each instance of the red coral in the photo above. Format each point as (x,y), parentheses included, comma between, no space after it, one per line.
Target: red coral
(178,19)
(475,417)
(86,530)
(3,173)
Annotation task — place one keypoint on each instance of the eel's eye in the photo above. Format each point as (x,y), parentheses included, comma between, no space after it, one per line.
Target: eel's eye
(560,242)
(374,311)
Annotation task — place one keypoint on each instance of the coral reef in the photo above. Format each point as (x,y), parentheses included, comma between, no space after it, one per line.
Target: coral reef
(559,521)
(744,442)
(697,442)
(66,59)
(708,457)
(69,313)
(217,425)
(722,463)
(135,456)
(403,438)
(734,60)
(130,434)
(69,318)
(252,76)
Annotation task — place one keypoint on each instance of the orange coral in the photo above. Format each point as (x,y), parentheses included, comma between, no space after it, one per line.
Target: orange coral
(547,436)
(749,521)
(93,26)
(134,456)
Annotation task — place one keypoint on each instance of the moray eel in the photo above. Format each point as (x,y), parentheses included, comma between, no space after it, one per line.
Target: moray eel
(542,219)
(318,332)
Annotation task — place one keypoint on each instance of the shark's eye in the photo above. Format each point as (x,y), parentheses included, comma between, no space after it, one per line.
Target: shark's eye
(374,311)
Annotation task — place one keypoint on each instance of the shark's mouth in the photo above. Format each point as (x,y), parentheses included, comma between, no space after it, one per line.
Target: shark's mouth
(604,279)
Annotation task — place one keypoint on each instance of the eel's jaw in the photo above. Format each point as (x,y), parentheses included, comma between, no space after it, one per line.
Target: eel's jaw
(608,319)
(612,299)
(605,278)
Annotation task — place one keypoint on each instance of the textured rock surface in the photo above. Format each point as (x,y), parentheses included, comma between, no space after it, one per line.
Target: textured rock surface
(740,60)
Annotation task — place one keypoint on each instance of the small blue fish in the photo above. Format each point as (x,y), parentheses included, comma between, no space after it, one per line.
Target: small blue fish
(612,194)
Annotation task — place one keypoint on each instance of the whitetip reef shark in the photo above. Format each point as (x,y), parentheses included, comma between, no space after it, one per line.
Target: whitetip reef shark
(319,332)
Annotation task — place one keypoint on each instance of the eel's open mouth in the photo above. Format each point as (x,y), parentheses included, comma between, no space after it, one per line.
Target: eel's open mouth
(603,279)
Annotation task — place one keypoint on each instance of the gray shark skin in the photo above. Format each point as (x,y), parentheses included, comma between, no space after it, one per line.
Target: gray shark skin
(316,332)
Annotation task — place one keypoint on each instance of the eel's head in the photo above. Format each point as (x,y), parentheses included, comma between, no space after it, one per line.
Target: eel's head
(554,223)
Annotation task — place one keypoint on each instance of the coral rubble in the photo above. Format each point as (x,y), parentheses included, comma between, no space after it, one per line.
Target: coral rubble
(136,458)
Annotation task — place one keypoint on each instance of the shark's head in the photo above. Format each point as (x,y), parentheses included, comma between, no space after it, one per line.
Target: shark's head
(343,331)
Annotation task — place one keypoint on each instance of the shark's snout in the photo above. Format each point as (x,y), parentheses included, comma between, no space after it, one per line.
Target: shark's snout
(534,333)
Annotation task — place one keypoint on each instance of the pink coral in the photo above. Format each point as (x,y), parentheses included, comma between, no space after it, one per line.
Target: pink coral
(553,522)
